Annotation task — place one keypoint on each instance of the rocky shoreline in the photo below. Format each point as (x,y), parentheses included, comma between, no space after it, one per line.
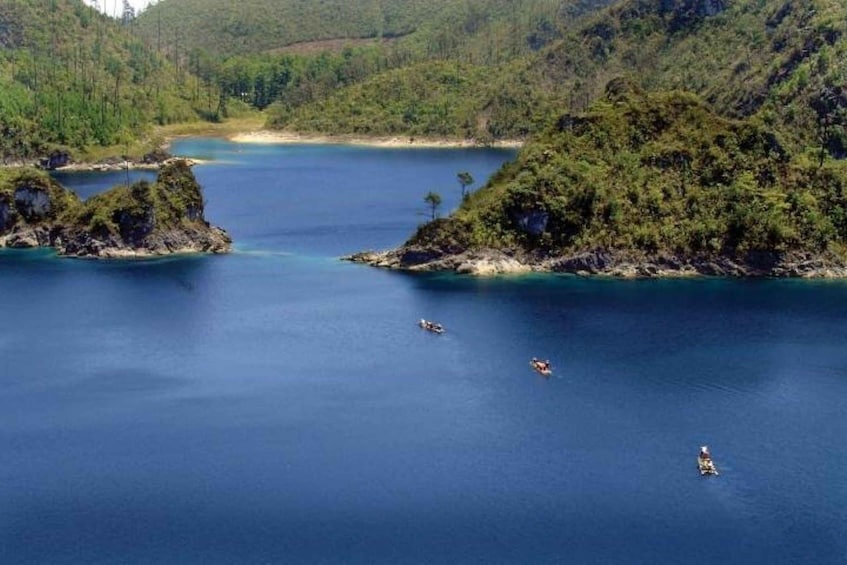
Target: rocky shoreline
(108,166)
(609,263)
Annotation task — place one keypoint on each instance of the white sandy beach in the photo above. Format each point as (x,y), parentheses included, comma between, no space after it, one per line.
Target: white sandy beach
(283,137)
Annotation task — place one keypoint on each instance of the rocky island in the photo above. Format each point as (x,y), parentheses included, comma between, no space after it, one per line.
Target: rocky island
(646,185)
(142,220)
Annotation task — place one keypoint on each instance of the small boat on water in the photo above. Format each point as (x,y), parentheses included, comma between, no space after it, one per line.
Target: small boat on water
(542,367)
(431,326)
(705,463)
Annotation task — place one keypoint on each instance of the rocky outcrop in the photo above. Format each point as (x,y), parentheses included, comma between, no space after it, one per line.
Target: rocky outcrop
(612,263)
(187,240)
(30,206)
(533,222)
(57,158)
(144,220)
(5,215)
(482,262)
(33,203)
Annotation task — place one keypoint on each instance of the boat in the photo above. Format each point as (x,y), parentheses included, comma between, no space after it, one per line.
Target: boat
(705,463)
(542,367)
(431,326)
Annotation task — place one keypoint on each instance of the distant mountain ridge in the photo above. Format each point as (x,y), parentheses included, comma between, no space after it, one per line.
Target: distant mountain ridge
(224,27)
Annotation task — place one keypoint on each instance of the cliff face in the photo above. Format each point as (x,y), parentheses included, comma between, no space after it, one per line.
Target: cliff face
(143,220)
(31,204)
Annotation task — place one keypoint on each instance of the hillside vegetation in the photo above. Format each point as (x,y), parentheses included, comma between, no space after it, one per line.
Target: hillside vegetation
(71,78)
(408,49)
(223,28)
(781,60)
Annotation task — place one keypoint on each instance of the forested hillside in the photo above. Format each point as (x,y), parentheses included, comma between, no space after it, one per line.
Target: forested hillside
(780,60)
(223,28)
(281,56)
(71,77)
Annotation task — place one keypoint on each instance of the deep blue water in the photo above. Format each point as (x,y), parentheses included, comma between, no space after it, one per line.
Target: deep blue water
(277,405)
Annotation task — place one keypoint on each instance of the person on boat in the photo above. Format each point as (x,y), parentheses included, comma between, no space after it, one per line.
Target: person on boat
(540,365)
(705,456)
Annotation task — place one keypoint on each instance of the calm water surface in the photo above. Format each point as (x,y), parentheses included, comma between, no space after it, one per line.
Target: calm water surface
(279,406)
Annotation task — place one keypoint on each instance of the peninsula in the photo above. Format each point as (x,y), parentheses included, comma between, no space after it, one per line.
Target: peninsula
(645,185)
(142,220)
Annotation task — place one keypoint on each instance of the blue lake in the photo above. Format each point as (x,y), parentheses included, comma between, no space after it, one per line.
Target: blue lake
(277,405)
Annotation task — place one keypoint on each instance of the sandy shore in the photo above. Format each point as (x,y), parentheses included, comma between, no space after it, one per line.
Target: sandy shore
(282,137)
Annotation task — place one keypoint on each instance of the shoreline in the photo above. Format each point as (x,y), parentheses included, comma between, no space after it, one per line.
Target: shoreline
(607,264)
(273,137)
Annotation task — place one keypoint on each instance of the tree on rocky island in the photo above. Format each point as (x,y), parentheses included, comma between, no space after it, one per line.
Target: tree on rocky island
(465,180)
(434,201)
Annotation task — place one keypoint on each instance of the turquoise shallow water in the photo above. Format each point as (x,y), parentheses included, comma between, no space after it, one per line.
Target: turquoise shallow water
(279,406)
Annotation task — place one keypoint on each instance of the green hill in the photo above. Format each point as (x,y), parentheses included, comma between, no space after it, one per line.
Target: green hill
(651,178)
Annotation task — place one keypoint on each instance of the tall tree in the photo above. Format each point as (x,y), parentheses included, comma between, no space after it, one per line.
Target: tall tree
(465,180)
(434,201)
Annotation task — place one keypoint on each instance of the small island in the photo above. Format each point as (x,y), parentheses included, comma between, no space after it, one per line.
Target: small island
(646,185)
(141,220)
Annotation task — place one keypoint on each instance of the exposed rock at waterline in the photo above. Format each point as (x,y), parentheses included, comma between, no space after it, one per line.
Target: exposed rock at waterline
(619,264)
